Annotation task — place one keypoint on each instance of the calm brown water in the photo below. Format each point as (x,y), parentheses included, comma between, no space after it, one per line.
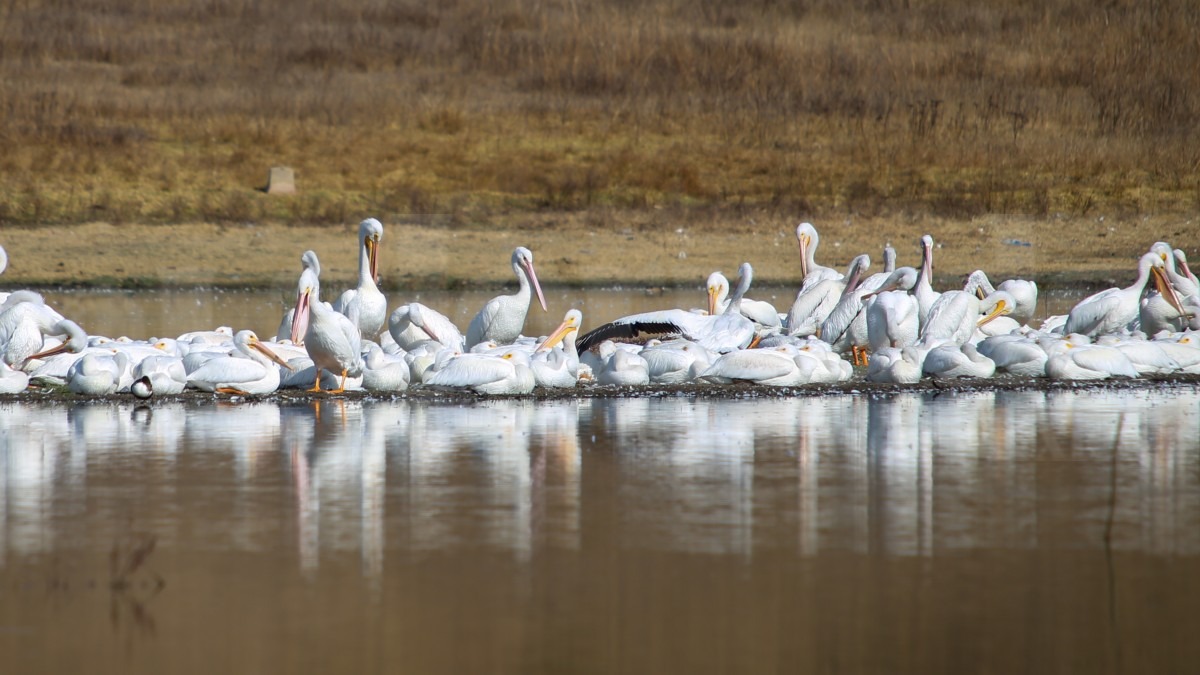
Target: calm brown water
(144,314)
(1015,532)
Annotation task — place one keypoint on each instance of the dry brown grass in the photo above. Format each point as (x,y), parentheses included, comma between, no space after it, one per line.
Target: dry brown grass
(451,113)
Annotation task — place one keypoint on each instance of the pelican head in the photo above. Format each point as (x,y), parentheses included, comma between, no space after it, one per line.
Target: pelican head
(806,236)
(370,232)
(997,304)
(718,288)
(522,260)
(308,261)
(571,322)
(77,340)
(309,290)
(251,341)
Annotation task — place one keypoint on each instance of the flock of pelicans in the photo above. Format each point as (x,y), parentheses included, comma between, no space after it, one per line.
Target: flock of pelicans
(894,323)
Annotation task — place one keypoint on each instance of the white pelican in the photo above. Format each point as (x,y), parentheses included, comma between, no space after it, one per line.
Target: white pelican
(412,323)
(332,340)
(814,303)
(308,261)
(508,373)
(503,317)
(98,373)
(1069,360)
(1156,311)
(1114,309)
(923,290)
(165,374)
(23,330)
(784,366)
(251,375)
(760,312)
(721,333)
(950,360)
(676,361)
(1148,357)
(895,366)
(1015,354)
(365,304)
(383,372)
(558,367)
(836,330)
(810,271)
(956,315)
(1182,265)
(12,381)
(892,313)
(624,368)
(1024,294)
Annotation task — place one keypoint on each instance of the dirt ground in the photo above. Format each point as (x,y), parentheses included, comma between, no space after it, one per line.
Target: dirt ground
(581,249)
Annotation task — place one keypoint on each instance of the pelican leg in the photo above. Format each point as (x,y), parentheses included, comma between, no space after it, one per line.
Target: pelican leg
(316,389)
(865,354)
(341,386)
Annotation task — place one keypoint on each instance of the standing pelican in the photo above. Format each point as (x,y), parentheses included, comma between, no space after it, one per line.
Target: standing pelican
(892,314)
(332,340)
(365,304)
(308,261)
(923,291)
(503,317)
(252,373)
(836,329)
(1115,309)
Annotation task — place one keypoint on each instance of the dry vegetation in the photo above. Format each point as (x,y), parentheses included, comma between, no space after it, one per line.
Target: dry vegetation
(456,113)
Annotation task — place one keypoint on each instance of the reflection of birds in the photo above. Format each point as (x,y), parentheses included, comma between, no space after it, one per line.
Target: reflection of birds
(1114,309)
(364,304)
(503,317)
(252,373)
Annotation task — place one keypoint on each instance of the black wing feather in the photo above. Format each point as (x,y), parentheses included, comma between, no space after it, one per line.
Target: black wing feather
(627,332)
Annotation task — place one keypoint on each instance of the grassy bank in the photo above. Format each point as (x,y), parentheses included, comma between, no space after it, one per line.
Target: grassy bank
(455,113)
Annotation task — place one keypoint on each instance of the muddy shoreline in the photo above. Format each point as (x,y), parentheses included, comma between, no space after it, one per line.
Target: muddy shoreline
(435,396)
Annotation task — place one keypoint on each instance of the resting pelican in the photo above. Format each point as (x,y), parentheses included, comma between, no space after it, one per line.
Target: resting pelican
(558,367)
(950,360)
(365,305)
(784,366)
(810,271)
(413,323)
(251,374)
(896,366)
(508,373)
(308,261)
(383,372)
(1115,309)
(892,312)
(12,381)
(165,374)
(503,317)
(721,333)
(1069,360)
(676,361)
(1148,357)
(1015,354)
(98,373)
(624,368)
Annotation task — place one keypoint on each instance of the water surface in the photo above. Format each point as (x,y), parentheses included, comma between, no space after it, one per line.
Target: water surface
(992,532)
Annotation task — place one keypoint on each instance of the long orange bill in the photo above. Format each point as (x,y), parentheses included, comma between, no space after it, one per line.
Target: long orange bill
(1000,309)
(1167,290)
(536,286)
(271,355)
